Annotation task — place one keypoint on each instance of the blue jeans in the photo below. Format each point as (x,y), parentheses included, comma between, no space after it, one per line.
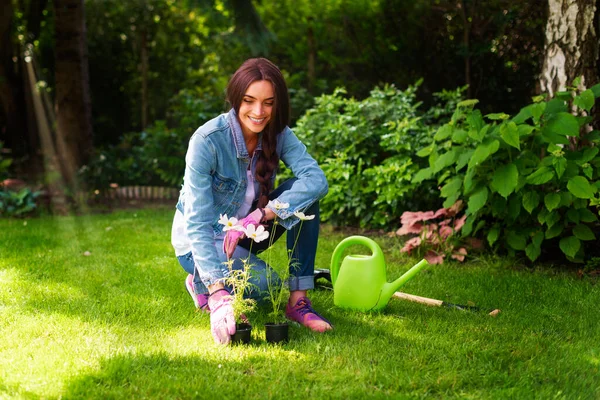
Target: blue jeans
(304,235)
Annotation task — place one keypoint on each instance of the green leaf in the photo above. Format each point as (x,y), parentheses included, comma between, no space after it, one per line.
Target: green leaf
(570,245)
(554,231)
(532,251)
(459,136)
(452,187)
(516,240)
(467,103)
(541,176)
(588,155)
(493,235)
(425,151)
(525,130)
(483,151)
(478,200)
(552,201)
(560,165)
(588,171)
(583,232)
(585,100)
(514,207)
(538,238)
(564,124)
(443,133)
(505,180)
(497,116)
(586,215)
(422,175)
(531,201)
(478,135)
(445,160)
(510,134)
(463,159)
(552,218)
(581,188)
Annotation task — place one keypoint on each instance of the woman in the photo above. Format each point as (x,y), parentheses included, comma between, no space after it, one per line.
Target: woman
(231,164)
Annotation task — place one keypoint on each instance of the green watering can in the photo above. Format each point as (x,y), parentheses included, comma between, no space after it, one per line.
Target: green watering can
(360,282)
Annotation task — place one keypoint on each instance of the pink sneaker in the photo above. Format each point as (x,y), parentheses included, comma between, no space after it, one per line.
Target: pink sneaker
(200,300)
(304,314)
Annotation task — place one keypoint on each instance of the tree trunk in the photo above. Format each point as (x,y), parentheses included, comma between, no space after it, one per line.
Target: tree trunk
(467,46)
(72,103)
(571,48)
(11,95)
(144,69)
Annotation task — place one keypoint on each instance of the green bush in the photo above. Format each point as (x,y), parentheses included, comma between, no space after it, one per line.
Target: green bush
(155,156)
(530,182)
(17,204)
(366,149)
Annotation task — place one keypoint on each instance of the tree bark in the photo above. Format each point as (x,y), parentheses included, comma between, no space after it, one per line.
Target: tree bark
(571,48)
(11,95)
(144,69)
(72,103)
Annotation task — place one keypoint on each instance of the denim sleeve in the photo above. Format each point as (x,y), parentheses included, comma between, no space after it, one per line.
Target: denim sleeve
(199,208)
(311,184)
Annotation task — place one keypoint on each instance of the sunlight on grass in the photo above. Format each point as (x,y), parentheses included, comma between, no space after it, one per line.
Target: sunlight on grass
(119,323)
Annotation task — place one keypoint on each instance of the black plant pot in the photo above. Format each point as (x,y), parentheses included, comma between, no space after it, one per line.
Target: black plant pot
(242,333)
(276,333)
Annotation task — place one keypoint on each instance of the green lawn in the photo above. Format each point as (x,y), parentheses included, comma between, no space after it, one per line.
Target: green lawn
(118,323)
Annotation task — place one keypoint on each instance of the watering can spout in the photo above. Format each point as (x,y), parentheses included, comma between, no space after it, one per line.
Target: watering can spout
(391,287)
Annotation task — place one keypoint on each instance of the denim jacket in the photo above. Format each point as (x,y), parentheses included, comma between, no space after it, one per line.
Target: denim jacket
(215,183)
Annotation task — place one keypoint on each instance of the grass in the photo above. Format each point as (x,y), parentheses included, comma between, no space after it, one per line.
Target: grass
(118,323)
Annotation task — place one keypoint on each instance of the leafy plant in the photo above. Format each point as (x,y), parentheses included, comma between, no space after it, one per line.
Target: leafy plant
(278,274)
(528,180)
(434,232)
(19,203)
(366,149)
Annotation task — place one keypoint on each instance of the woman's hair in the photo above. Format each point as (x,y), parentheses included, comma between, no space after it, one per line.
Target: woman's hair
(259,69)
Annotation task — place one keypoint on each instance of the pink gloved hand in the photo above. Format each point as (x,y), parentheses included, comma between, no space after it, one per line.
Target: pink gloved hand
(222,321)
(233,237)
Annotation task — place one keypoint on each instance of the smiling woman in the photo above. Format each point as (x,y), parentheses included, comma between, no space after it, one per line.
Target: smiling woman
(231,165)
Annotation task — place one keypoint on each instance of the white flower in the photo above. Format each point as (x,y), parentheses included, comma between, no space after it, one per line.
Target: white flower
(229,223)
(301,216)
(258,234)
(276,204)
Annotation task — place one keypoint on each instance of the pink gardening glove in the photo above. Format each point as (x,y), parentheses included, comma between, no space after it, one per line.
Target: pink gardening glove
(222,321)
(233,237)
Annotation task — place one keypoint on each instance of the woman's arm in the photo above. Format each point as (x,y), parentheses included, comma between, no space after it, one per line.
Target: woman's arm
(311,184)
(199,209)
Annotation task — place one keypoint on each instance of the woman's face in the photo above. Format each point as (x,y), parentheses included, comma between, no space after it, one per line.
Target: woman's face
(257,107)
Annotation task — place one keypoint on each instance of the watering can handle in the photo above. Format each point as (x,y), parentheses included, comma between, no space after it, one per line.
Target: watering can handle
(350,241)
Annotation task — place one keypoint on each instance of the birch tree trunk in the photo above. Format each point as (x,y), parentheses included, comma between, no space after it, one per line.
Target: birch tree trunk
(72,102)
(571,47)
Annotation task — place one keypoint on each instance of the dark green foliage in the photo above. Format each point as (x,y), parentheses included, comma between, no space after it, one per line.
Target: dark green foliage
(367,150)
(17,204)
(530,181)
(155,156)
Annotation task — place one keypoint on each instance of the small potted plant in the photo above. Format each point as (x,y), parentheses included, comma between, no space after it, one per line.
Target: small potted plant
(277,330)
(239,280)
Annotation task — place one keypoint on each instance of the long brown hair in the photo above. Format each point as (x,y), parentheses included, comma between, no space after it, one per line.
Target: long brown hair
(261,69)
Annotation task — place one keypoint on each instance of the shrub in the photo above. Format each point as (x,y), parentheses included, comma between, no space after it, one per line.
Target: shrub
(530,181)
(366,149)
(155,156)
